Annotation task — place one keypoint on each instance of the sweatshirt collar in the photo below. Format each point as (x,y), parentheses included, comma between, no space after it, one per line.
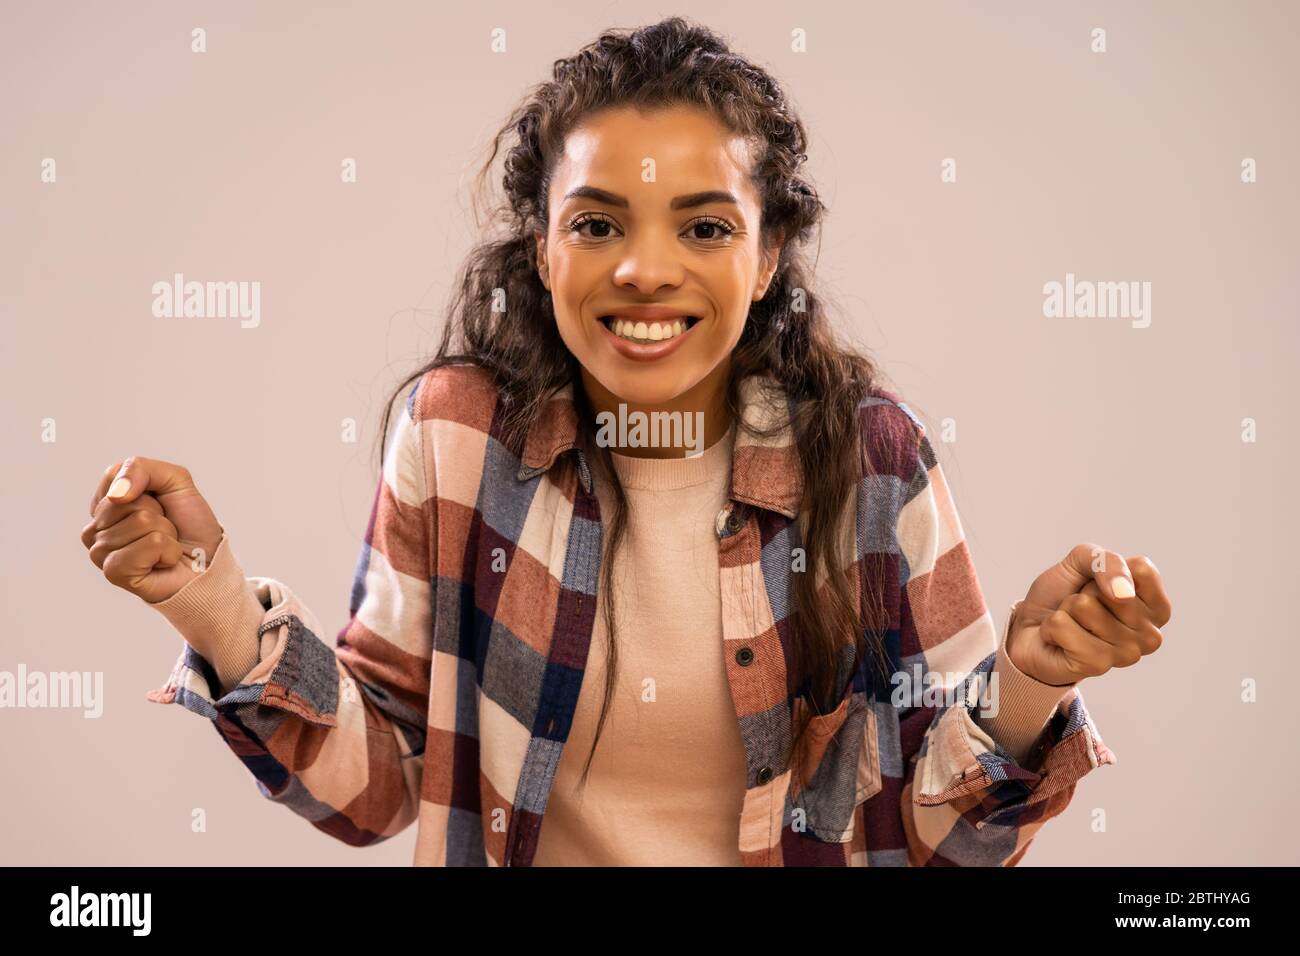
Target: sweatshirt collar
(765,472)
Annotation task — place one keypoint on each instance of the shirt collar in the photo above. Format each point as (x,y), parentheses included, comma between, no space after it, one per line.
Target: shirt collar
(764,471)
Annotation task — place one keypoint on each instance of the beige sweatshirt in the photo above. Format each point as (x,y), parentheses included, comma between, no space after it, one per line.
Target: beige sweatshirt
(668,780)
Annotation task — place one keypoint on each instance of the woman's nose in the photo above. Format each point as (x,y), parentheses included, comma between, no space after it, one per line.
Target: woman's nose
(649,263)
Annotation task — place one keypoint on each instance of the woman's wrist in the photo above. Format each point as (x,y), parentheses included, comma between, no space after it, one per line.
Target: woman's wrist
(218,613)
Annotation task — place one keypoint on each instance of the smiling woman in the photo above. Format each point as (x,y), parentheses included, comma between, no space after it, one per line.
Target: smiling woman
(654,264)
(734,675)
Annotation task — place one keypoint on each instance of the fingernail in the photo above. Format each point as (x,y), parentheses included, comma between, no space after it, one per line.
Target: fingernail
(120,487)
(1121,587)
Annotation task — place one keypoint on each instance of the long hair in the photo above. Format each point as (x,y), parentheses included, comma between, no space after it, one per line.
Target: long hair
(786,336)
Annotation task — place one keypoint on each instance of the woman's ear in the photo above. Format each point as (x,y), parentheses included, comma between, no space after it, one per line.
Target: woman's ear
(771,257)
(542,269)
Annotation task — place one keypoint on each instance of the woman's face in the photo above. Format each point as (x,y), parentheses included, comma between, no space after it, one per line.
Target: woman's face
(653,216)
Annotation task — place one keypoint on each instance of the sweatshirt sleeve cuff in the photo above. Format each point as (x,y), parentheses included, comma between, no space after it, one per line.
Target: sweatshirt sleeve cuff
(1024,704)
(218,614)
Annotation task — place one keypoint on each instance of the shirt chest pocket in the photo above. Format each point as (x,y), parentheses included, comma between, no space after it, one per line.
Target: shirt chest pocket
(836,768)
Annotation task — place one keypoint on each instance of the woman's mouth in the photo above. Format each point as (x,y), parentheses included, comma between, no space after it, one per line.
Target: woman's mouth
(645,333)
(646,340)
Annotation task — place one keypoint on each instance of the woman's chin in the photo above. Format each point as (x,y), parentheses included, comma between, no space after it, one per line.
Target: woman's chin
(640,387)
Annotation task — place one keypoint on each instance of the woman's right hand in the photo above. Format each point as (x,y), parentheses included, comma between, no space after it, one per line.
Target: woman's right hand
(151,532)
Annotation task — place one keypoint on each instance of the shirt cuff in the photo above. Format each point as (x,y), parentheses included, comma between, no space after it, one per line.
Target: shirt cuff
(218,613)
(1024,704)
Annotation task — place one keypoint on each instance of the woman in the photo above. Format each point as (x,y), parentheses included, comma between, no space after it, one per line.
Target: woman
(759,641)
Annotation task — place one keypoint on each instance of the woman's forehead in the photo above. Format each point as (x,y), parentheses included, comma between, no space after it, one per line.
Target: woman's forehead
(688,150)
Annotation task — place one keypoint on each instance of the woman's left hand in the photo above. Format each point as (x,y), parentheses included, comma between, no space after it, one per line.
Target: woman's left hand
(1090,612)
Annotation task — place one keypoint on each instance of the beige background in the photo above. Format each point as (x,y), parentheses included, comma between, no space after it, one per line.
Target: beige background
(225,165)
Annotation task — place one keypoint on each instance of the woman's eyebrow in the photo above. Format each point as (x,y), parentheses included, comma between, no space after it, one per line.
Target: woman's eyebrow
(681,202)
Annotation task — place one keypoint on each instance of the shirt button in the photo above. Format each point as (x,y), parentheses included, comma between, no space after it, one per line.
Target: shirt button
(764,775)
(744,656)
(735,522)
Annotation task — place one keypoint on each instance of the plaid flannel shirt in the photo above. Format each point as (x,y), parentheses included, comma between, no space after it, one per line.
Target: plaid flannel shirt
(451,690)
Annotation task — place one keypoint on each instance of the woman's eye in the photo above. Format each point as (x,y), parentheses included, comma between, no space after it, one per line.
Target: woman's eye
(578,224)
(714,229)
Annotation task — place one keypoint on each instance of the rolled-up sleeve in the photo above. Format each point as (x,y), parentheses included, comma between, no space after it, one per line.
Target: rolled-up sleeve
(1001,753)
(334,733)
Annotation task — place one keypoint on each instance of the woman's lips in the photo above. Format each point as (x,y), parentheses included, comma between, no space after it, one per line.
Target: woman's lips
(651,351)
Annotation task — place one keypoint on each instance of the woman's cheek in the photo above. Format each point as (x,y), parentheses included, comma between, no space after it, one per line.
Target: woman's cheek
(573,337)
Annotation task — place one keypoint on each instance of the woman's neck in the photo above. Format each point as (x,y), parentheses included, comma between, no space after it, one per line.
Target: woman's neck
(705,404)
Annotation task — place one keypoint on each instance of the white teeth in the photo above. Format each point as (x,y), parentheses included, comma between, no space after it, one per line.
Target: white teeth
(648,332)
